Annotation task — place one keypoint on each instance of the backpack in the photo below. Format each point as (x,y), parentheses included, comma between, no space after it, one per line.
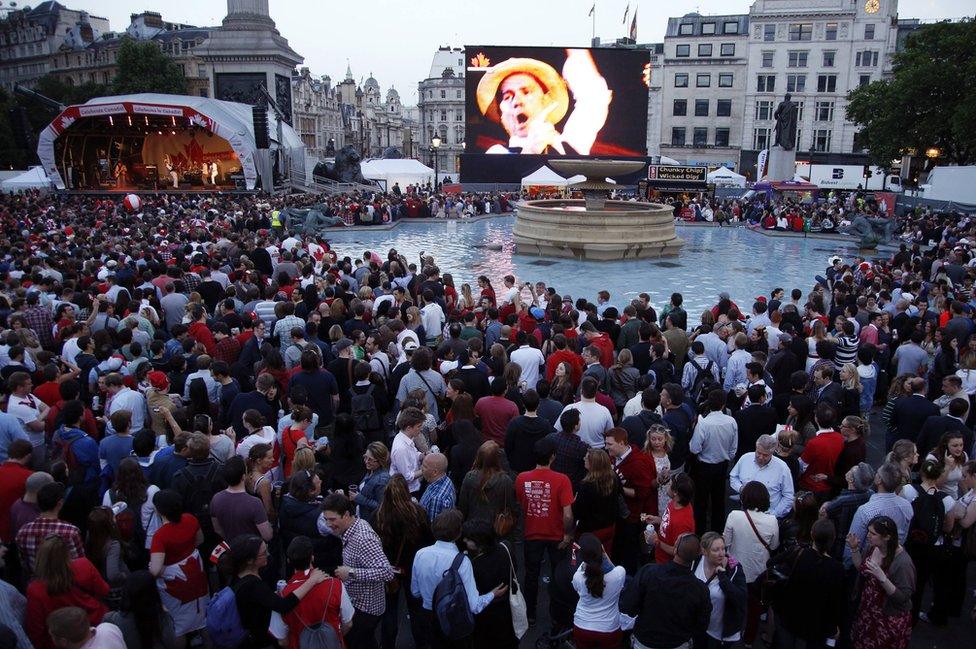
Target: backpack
(224,624)
(320,635)
(928,518)
(451,603)
(364,412)
(197,493)
(64,450)
(131,532)
(704,382)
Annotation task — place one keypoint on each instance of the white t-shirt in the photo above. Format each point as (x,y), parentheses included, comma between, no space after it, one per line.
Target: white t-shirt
(600,614)
(595,420)
(529,359)
(27,409)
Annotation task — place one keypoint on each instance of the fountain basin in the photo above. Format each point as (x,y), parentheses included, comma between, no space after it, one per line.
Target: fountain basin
(572,229)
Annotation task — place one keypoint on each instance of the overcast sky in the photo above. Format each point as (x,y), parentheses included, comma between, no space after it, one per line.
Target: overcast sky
(395,39)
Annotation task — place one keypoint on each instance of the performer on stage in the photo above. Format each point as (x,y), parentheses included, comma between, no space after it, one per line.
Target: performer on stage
(172,172)
(214,172)
(121,173)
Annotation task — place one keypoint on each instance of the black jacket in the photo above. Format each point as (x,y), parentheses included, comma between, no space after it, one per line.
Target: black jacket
(297,518)
(671,605)
(733,584)
(935,427)
(754,422)
(909,415)
(638,425)
(811,602)
(520,438)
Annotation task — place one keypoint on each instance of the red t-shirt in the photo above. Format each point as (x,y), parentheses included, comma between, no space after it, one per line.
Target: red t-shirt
(201,333)
(543,493)
(495,413)
(674,523)
(48,392)
(290,438)
(86,593)
(13,477)
(177,542)
(315,606)
(820,456)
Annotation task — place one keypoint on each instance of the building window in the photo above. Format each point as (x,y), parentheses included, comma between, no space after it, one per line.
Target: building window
(682,50)
(797,59)
(766,83)
(701,108)
(728,49)
(721,137)
(705,49)
(708,28)
(677,136)
(821,139)
(443,94)
(869,32)
(769,33)
(796,82)
(796,143)
(831,32)
(866,59)
(680,108)
(460,94)
(700,137)
(767,59)
(723,108)
(863,80)
(764,110)
(760,139)
(801,31)
(686,29)
(725,80)
(828,59)
(827,83)
(443,115)
(703,80)
(730,27)
(681,80)
(823,111)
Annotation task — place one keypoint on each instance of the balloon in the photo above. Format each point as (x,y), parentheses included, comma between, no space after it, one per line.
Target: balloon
(132,203)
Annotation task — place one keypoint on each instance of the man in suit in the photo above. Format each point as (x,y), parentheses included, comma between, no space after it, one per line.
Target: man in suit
(754,420)
(827,389)
(591,357)
(910,413)
(938,425)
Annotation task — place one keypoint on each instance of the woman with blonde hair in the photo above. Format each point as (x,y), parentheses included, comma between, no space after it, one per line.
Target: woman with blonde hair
(659,444)
(466,301)
(368,496)
(596,504)
(851,388)
(487,490)
(818,332)
(415,324)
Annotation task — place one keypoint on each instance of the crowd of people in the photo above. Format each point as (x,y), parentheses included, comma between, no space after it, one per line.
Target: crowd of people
(216,432)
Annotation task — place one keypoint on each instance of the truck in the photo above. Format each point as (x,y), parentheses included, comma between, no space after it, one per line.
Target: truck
(956,184)
(851,177)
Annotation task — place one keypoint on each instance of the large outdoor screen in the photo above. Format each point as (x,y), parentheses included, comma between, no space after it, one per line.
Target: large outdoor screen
(556,101)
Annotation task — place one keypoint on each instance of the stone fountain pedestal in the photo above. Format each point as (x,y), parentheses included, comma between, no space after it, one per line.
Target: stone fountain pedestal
(595,228)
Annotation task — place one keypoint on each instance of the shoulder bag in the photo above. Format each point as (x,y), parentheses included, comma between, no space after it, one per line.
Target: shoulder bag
(776,575)
(516,600)
(440,400)
(504,520)
(393,586)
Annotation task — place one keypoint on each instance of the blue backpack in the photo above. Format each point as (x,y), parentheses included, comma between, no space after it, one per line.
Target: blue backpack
(223,620)
(451,603)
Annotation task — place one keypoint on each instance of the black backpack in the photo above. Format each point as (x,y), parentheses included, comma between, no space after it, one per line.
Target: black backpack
(928,519)
(704,382)
(197,488)
(364,412)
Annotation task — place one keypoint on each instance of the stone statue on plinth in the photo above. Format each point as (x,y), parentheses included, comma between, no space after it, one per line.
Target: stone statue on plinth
(785,116)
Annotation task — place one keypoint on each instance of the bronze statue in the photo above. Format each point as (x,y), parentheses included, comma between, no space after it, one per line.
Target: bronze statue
(785,116)
(346,168)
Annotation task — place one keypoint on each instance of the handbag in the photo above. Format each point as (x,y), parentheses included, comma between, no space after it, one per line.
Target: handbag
(443,404)
(504,521)
(774,577)
(516,600)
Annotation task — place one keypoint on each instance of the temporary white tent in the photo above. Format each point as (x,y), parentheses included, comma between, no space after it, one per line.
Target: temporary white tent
(33,178)
(725,177)
(404,171)
(546,177)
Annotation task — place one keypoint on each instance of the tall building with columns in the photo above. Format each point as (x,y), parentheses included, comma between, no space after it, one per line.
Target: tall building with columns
(441,111)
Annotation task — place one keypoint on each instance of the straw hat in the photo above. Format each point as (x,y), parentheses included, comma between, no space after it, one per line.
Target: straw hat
(545,74)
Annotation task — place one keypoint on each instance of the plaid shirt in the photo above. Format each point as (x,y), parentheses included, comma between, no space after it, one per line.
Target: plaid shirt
(570,451)
(438,497)
(283,328)
(192,281)
(227,350)
(39,319)
(363,552)
(31,535)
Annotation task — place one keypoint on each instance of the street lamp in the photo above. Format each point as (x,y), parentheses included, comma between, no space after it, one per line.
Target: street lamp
(435,144)
(932,152)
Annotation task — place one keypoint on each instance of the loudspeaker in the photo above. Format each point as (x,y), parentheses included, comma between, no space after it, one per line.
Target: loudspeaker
(21,128)
(259,115)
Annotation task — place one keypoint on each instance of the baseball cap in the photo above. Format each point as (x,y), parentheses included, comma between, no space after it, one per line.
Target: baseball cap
(158,380)
(410,345)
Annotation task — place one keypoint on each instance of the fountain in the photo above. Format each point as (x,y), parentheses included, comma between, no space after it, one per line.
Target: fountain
(595,228)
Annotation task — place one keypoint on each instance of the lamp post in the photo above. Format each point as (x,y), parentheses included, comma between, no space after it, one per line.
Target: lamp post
(435,144)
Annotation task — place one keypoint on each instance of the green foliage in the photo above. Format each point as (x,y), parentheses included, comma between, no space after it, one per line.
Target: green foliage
(928,102)
(144,68)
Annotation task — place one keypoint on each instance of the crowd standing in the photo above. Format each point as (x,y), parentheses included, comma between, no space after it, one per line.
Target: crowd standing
(219,433)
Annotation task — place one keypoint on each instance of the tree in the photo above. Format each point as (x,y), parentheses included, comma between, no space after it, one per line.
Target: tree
(144,68)
(928,101)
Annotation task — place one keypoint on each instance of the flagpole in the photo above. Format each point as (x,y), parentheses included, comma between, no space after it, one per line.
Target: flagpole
(593,17)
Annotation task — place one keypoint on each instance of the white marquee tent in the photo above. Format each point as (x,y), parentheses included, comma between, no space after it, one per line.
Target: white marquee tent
(724,177)
(546,177)
(33,178)
(404,171)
